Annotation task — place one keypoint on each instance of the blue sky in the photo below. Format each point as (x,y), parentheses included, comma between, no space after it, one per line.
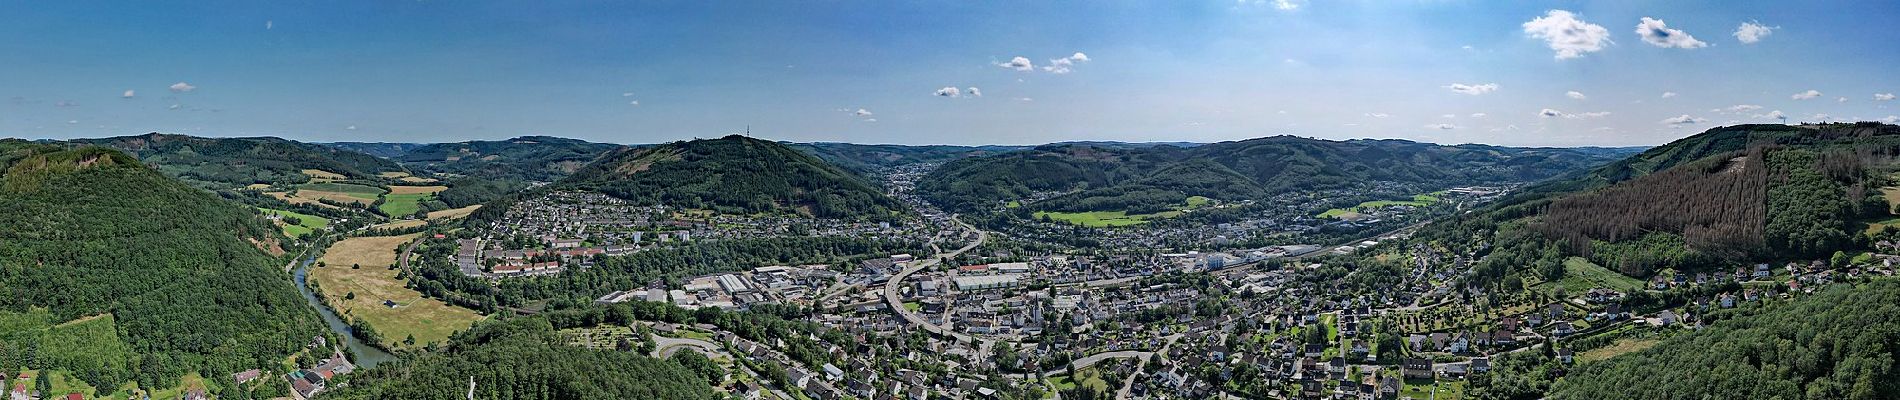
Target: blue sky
(1439,71)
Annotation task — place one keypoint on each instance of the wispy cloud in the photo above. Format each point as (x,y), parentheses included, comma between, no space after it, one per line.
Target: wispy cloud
(1811,93)
(1752,31)
(1883,96)
(1575,95)
(1474,90)
(182,87)
(1681,120)
(1019,63)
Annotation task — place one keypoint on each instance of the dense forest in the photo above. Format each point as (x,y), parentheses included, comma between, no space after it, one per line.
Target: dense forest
(527,158)
(242,161)
(737,175)
(524,358)
(175,277)
(1836,344)
(866,158)
(1239,170)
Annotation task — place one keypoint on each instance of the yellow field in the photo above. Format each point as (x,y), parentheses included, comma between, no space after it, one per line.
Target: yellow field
(393,174)
(317,175)
(333,196)
(416,189)
(453,213)
(429,320)
(1620,347)
(257,186)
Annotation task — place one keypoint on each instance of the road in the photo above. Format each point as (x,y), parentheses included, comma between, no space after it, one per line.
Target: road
(897,303)
(665,346)
(1128,384)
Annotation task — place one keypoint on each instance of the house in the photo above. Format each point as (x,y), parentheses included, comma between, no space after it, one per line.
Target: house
(1420,368)
(1480,364)
(246,376)
(1565,355)
(196,394)
(1666,318)
(1562,328)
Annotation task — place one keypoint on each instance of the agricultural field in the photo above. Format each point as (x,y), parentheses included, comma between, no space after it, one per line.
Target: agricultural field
(1355,212)
(1581,275)
(401,224)
(293,199)
(306,223)
(341,192)
(429,320)
(1110,219)
(453,213)
(317,175)
(405,200)
(1620,347)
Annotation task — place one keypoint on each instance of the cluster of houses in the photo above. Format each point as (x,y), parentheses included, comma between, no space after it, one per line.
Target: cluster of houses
(306,383)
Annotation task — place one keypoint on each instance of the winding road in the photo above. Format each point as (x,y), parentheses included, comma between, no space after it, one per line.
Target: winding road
(897,303)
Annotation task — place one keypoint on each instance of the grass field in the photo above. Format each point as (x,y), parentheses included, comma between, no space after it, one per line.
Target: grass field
(1620,347)
(1086,377)
(1581,275)
(401,224)
(428,319)
(398,189)
(1098,219)
(1354,212)
(1109,219)
(453,213)
(308,223)
(402,205)
(317,175)
(342,192)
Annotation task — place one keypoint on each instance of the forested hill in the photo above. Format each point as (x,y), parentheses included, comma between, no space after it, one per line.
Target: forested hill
(1115,177)
(864,158)
(379,149)
(112,272)
(524,358)
(735,174)
(527,158)
(1836,344)
(242,161)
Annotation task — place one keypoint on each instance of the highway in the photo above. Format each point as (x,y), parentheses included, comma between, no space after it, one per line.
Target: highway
(896,303)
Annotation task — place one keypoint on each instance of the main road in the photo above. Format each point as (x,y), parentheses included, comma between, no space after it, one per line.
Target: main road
(897,303)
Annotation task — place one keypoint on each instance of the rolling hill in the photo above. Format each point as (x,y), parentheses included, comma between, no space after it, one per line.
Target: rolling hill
(734,174)
(379,149)
(526,158)
(242,161)
(864,158)
(171,279)
(1106,178)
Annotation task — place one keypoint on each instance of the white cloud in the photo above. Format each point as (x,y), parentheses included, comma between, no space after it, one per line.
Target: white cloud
(72,121)
(182,87)
(1445,127)
(870,120)
(1842,99)
(1811,93)
(1378,115)
(1593,114)
(1776,114)
(1891,119)
(1821,117)
(974,92)
(1668,94)
(1063,65)
(1655,32)
(1024,99)
(635,103)
(1553,113)
(1478,115)
(1282,5)
(626,94)
(172,107)
(129,93)
(1569,36)
(949,91)
(1576,95)
(862,112)
(1019,63)
(1883,96)
(350,128)
(1078,56)
(1681,120)
(1474,90)
(268,24)
(1738,108)
(1547,113)
(1751,32)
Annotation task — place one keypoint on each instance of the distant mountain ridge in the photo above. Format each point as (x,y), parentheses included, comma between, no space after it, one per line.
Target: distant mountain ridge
(242,161)
(532,158)
(1113,176)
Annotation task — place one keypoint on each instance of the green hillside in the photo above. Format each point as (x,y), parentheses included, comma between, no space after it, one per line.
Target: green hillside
(173,278)
(224,162)
(734,174)
(1146,178)
(527,158)
(523,358)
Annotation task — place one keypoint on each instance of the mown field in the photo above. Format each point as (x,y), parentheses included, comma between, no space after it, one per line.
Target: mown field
(306,223)
(1354,212)
(405,200)
(429,320)
(1110,219)
(342,192)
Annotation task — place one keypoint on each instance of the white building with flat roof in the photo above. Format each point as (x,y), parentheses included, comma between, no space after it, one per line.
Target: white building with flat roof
(972,283)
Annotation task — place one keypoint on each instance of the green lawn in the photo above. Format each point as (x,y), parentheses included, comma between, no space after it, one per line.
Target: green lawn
(1416,201)
(1097,219)
(306,222)
(353,190)
(400,205)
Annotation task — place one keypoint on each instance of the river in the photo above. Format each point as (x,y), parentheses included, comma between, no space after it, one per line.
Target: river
(366,355)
